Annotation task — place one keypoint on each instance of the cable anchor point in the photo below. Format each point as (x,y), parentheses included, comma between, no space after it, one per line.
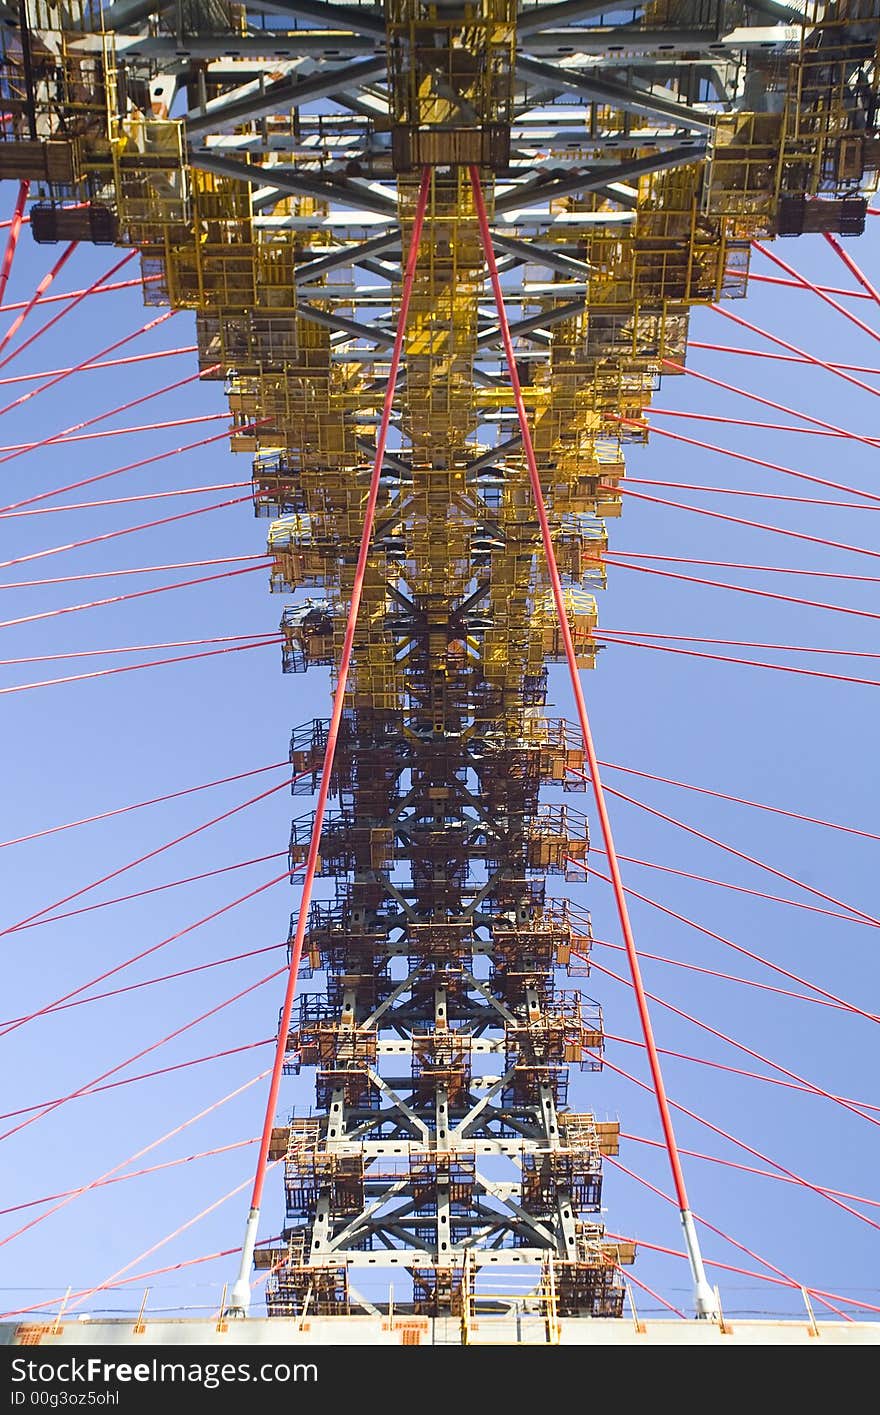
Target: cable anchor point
(240,1296)
(707,1307)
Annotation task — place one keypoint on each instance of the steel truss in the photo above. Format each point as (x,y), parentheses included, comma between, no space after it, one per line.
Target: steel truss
(266,159)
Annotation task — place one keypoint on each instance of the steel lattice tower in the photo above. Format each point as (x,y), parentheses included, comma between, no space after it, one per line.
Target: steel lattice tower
(269,174)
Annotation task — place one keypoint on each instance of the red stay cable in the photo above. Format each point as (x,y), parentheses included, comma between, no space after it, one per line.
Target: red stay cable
(136,428)
(744,457)
(751,495)
(150,1075)
(793,349)
(40,290)
(740,855)
(55,1005)
(729,565)
(127,1282)
(786,1277)
(754,525)
(114,1278)
(102,289)
(743,662)
(109,363)
(240,1297)
(124,531)
(736,643)
(136,648)
(740,1071)
(799,285)
(808,284)
(123,869)
(871,292)
(739,589)
(809,1086)
(12,239)
(105,287)
(744,1272)
(124,598)
(778,358)
(583,916)
(830,428)
(739,948)
(107,1176)
(181,972)
(75,300)
(136,667)
(140,805)
(155,570)
(129,500)
(62,374)
(704,1298)
(69,434)
(740,800)
(629,1277)
(799,1179)
(88,1086)
(763,426)
(192,879)
(725,977)
(129,467)
(744,1168)
(736,888)
(137,1174)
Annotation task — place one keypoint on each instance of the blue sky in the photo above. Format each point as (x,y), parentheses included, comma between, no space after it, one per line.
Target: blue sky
(71,751)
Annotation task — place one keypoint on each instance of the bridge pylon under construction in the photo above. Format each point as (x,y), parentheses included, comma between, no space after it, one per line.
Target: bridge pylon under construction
(281,167)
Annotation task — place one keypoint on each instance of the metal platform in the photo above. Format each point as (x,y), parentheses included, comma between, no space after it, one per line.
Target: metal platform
(436,1331)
